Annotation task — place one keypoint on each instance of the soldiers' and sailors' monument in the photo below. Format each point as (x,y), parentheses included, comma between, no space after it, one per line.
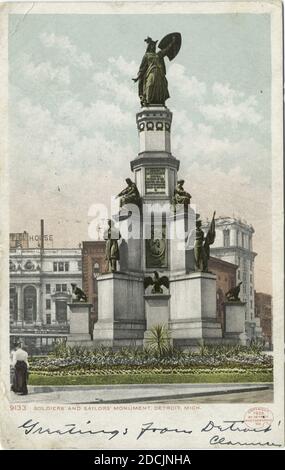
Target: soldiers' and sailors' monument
(156,250)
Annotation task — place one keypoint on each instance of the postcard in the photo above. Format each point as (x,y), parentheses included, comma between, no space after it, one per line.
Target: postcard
(141,235)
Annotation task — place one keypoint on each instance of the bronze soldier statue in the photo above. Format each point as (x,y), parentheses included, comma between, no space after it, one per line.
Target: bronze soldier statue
(202,245)
(112,253)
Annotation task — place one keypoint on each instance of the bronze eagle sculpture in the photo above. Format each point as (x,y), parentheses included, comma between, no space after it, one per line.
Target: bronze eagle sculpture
(156,282)
(80,295)
(233,294)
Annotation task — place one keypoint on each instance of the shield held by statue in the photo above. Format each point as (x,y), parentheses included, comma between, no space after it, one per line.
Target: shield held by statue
(173,51)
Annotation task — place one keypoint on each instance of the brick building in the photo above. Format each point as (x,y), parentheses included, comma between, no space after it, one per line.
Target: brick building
(93,263)
(226,279)
(17,240)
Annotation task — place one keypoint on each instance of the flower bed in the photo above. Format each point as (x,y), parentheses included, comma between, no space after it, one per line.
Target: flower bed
(154,371)
(133,361)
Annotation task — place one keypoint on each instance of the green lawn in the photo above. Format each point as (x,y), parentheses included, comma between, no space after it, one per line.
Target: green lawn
(217,377)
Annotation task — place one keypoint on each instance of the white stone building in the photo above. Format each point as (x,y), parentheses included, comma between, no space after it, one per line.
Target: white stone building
(40,287)
(233,243)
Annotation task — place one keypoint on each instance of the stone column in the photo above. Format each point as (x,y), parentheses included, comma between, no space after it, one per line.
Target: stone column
(20,294)
(38,313)
(130,244)
(182,246)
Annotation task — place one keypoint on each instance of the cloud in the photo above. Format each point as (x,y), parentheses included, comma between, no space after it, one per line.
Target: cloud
(46,72)
(57,146)
(188,87)
(112,87)
(197,142)
(69,50)
(129,69)
(98,115)
(231,106)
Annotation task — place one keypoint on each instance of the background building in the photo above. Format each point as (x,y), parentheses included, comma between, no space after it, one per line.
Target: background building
(233,244)
(263,310)
(93,263)
(40,288)
(19,240)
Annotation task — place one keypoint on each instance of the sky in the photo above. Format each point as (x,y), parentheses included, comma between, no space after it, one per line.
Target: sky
(72,108)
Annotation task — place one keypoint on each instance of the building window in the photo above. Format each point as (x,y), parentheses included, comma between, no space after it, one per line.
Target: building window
(239,260)
(30,304)
(226,238)
(13,304)
(237,237)
(48,319)
(60,266)
(96,269)
(61,287)
(242,240)
(238,274)
(250,277)
(47,288)
(251,291)
(48,304)
(251,304)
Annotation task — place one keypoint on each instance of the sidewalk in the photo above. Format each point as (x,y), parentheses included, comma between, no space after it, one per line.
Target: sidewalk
(136,393)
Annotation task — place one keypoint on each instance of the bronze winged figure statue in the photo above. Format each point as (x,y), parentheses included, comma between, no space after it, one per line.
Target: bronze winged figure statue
(153,85)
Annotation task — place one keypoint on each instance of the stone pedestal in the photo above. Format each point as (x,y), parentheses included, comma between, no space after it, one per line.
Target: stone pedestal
(156,312)
(79,324)
(121,320)
(234,327)
(193,318)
